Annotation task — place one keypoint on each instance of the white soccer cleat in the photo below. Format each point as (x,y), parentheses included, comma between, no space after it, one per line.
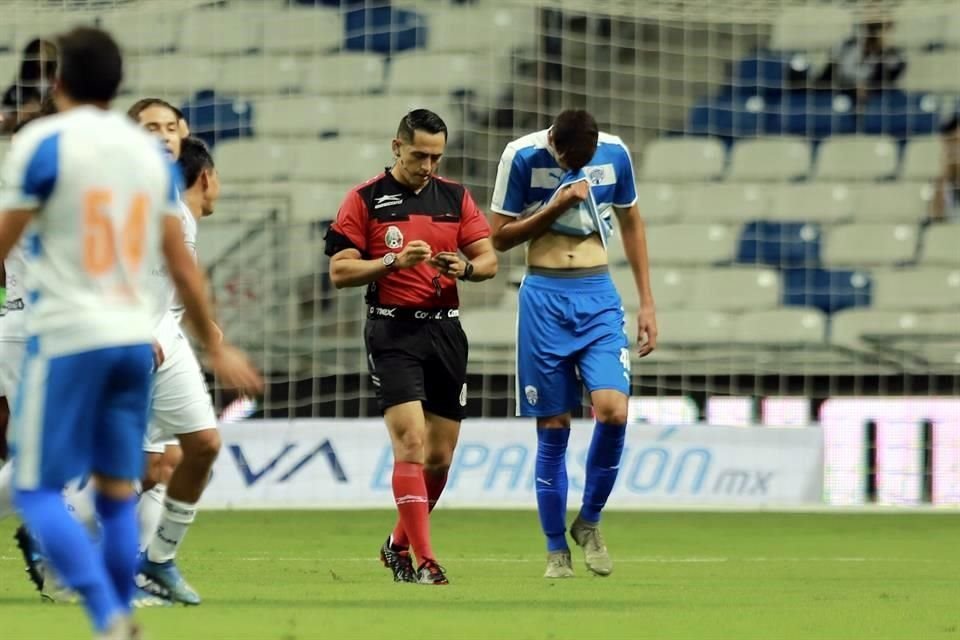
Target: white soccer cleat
(559,565)
(595,554)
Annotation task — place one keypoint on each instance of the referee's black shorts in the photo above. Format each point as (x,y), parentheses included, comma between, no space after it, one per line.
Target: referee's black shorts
(418,355)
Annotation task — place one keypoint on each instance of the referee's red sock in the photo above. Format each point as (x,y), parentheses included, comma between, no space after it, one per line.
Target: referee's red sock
(435,482)
(410,493)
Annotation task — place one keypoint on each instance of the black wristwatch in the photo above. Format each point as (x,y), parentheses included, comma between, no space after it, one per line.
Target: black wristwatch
(390,261)
(467,271)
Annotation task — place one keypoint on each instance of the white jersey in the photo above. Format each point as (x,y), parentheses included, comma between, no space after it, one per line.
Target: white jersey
(12,313)
(101,186)
(168,315)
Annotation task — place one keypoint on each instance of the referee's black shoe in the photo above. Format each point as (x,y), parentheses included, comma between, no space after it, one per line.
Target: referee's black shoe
(398,561)
(31,556)
(431,573)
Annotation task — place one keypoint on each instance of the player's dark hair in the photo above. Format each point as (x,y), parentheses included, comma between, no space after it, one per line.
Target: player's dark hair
(420,120)
(91,66)
(951,125)
(143,104)
(575,135)
(194,158)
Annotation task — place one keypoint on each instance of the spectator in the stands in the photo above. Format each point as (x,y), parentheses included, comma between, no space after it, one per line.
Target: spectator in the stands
(31,85)
(866,62)
(945,206)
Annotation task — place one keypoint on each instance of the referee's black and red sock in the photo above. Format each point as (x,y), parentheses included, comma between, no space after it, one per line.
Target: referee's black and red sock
(410,493)
(435,481)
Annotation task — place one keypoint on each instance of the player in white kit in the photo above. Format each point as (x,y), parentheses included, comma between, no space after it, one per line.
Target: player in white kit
(97,196)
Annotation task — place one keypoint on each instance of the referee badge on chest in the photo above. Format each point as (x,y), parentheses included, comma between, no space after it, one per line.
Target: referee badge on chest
(393,238)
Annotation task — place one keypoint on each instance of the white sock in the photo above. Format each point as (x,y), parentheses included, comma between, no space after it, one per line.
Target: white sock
(149,512)
(79,499)
(6,490)
(177,518)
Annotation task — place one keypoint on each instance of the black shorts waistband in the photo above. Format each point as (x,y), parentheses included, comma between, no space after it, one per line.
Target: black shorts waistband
(569,273)
(411,313)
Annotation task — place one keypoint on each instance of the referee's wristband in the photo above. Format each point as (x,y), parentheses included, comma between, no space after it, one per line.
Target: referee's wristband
(467,271)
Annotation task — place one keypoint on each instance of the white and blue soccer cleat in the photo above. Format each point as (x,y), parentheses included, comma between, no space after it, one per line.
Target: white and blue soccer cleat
(168,578)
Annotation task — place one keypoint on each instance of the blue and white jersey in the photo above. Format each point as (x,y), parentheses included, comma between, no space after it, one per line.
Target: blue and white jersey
(101,187)
(529,175)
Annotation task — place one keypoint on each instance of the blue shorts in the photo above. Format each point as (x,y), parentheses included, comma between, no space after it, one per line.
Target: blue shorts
(568,330)
(80,413)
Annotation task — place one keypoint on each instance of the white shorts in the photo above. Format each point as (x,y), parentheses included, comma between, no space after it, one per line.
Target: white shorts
(181,400)
(11,362)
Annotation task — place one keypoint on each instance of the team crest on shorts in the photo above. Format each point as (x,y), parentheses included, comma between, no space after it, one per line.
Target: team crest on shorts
(532,395)
(463,395)
(393,237)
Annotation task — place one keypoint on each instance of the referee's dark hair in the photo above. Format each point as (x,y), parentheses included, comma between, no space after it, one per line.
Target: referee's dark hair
(420,120)
(194,158)
(575,134)
(91,66)
(143,104)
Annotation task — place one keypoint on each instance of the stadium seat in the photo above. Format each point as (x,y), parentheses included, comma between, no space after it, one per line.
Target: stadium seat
(856,158)
(915,29)
(340,160)
(694,327)
(781,326)
(683,160)
(302,31)
(769,160)
(810,27)
(767,73)
(9,66)
(728,117)
(671,287)
(848,328)
(381,28)
(216,118)
(779,244)
(139,32)
(259,75)
(861,245)
(734,289)
(659,202)
(951,30)
(419,73)
(891,202)
(817,202)
(221,31)
(281,116)
(492,28)
(616,256)
(898,114)
(377,116)
(829,290)
(255,161)
(933,72)
(719,203)
(494,327)
(316,202)
(690,244)
(922,159)
(163,75)
(816,114)
(345,74)
(941,247)
(29,24)
(931,288)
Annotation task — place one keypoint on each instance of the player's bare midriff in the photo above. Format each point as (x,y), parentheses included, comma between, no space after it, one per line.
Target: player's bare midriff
(558,251)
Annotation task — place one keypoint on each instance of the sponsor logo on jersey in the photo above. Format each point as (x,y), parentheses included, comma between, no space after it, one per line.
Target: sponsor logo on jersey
(390,200)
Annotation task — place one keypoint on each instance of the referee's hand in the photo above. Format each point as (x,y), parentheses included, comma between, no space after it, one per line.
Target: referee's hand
(413,254)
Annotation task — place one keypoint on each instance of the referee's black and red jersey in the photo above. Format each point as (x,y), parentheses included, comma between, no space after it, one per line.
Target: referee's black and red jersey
(382,216)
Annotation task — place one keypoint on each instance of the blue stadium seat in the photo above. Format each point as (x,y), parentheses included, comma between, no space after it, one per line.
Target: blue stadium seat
(768,73)
(215,118)
(901,114)
(781,245)
(827,289)
(817,114)
(384,29)
(728,118)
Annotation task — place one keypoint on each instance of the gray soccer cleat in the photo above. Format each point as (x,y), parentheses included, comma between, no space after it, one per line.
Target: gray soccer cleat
(595,554)
(559,565)
(122,629)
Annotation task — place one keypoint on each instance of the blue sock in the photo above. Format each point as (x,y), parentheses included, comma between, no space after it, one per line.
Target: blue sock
(69,549)
(603,464)
(120,543)
(551,484)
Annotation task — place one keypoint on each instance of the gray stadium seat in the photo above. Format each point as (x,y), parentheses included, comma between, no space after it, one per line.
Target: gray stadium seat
(221,31)
(941,247)
(936,72)
(891,202)
(951,31)
(302,30)
(164,74)
(732,203)
(671,287)
(856,158)
(377,116)
(862,245)
(810,27)
(848,327)
(690,244)
(922,159)
(259,75)
(140,31)
(490,327)
(311,201)
(491,28)
(682,160)
(296,116)
(769,160)
(255,160)
(659,202)
(734,289)
(931,288)
(340,160)
(782,326)
(344,74)
(813,202)
(915,30)
(692,327)
(419,73)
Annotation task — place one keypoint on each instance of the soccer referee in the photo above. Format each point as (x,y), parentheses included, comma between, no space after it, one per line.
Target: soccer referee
(408,235)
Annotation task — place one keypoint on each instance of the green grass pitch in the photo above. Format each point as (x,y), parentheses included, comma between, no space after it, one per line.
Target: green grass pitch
(304,575)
